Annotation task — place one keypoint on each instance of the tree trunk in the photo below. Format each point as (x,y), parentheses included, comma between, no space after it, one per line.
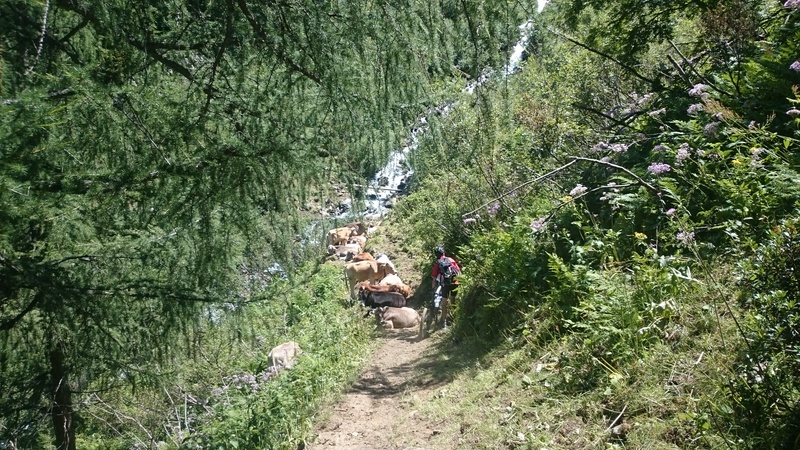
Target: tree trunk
(62,401)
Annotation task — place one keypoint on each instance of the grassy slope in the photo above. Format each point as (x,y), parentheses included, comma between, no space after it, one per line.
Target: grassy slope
(532,391)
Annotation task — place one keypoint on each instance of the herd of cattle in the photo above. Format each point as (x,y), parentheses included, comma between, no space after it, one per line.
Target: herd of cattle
(372,280)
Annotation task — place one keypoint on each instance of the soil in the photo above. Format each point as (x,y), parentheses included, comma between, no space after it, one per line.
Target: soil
(381,410)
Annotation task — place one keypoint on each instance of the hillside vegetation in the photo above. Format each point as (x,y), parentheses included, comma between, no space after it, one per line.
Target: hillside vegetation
(624,208)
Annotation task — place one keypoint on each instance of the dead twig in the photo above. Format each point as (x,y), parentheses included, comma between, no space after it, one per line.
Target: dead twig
(529,182)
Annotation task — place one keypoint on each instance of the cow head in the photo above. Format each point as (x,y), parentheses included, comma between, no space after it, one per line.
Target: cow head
(366,297)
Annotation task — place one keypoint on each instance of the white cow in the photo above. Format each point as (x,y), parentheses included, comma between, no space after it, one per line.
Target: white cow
(285,355)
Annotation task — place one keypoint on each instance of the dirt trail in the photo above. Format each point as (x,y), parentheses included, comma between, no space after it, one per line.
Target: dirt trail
(381,410)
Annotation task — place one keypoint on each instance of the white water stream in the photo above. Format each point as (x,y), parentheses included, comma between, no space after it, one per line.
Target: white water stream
(392,179)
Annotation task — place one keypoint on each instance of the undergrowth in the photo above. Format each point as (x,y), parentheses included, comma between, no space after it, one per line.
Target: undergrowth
(224,395)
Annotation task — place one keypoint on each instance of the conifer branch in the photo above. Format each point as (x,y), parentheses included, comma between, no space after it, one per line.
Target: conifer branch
(602,54)
(170,64)
(266,39)
(9,324)
(40,45)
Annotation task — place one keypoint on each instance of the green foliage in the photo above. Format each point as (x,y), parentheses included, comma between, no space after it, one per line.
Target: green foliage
(150,155)
(683,120)
(223,394)
(503,279)
(764,391)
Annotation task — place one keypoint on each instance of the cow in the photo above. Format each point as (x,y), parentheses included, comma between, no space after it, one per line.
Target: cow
(377,299)
(338,236)
(284,356)
(360,240)
(358,228)
(342,251)
(385,260)
(403,289)
(391,279)
(369,271)
(363,256)
(391,318)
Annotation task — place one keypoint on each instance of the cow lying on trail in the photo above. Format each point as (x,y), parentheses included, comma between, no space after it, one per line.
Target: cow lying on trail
(391,318)
(374,300)
(405,290)
(345,250)
(360,240)
(284,356)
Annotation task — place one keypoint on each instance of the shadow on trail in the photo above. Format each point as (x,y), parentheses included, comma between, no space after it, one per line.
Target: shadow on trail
(445,360)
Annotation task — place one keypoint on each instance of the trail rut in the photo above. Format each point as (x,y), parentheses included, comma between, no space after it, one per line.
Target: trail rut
(381,411)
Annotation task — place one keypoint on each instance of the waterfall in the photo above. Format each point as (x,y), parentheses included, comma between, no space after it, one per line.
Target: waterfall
(392,179)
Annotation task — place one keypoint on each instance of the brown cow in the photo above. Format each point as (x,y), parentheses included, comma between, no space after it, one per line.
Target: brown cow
(338,236)
(363,256)
(403,289)
(369,271)
(390,317)
(358,228)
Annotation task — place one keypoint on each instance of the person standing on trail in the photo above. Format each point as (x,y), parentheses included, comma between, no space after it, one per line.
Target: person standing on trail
(444,274)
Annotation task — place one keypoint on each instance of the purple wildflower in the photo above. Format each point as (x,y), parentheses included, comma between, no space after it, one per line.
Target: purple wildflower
(694,108)
(700,152)
(752,125)
(599,147)
(792,4)
(469,220)
(794,112)
(670,212)
(493,209)
(685,238)
(710,129)
(618,148)
(538,224)
(795,66)
(659,148)
(577,190)
(755,159)
(658,112)
(682,155)
(659,168)
(698,90)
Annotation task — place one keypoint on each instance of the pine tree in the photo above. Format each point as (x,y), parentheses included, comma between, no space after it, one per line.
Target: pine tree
(145,144)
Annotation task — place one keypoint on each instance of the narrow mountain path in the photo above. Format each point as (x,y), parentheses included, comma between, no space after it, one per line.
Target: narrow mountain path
(381,411)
